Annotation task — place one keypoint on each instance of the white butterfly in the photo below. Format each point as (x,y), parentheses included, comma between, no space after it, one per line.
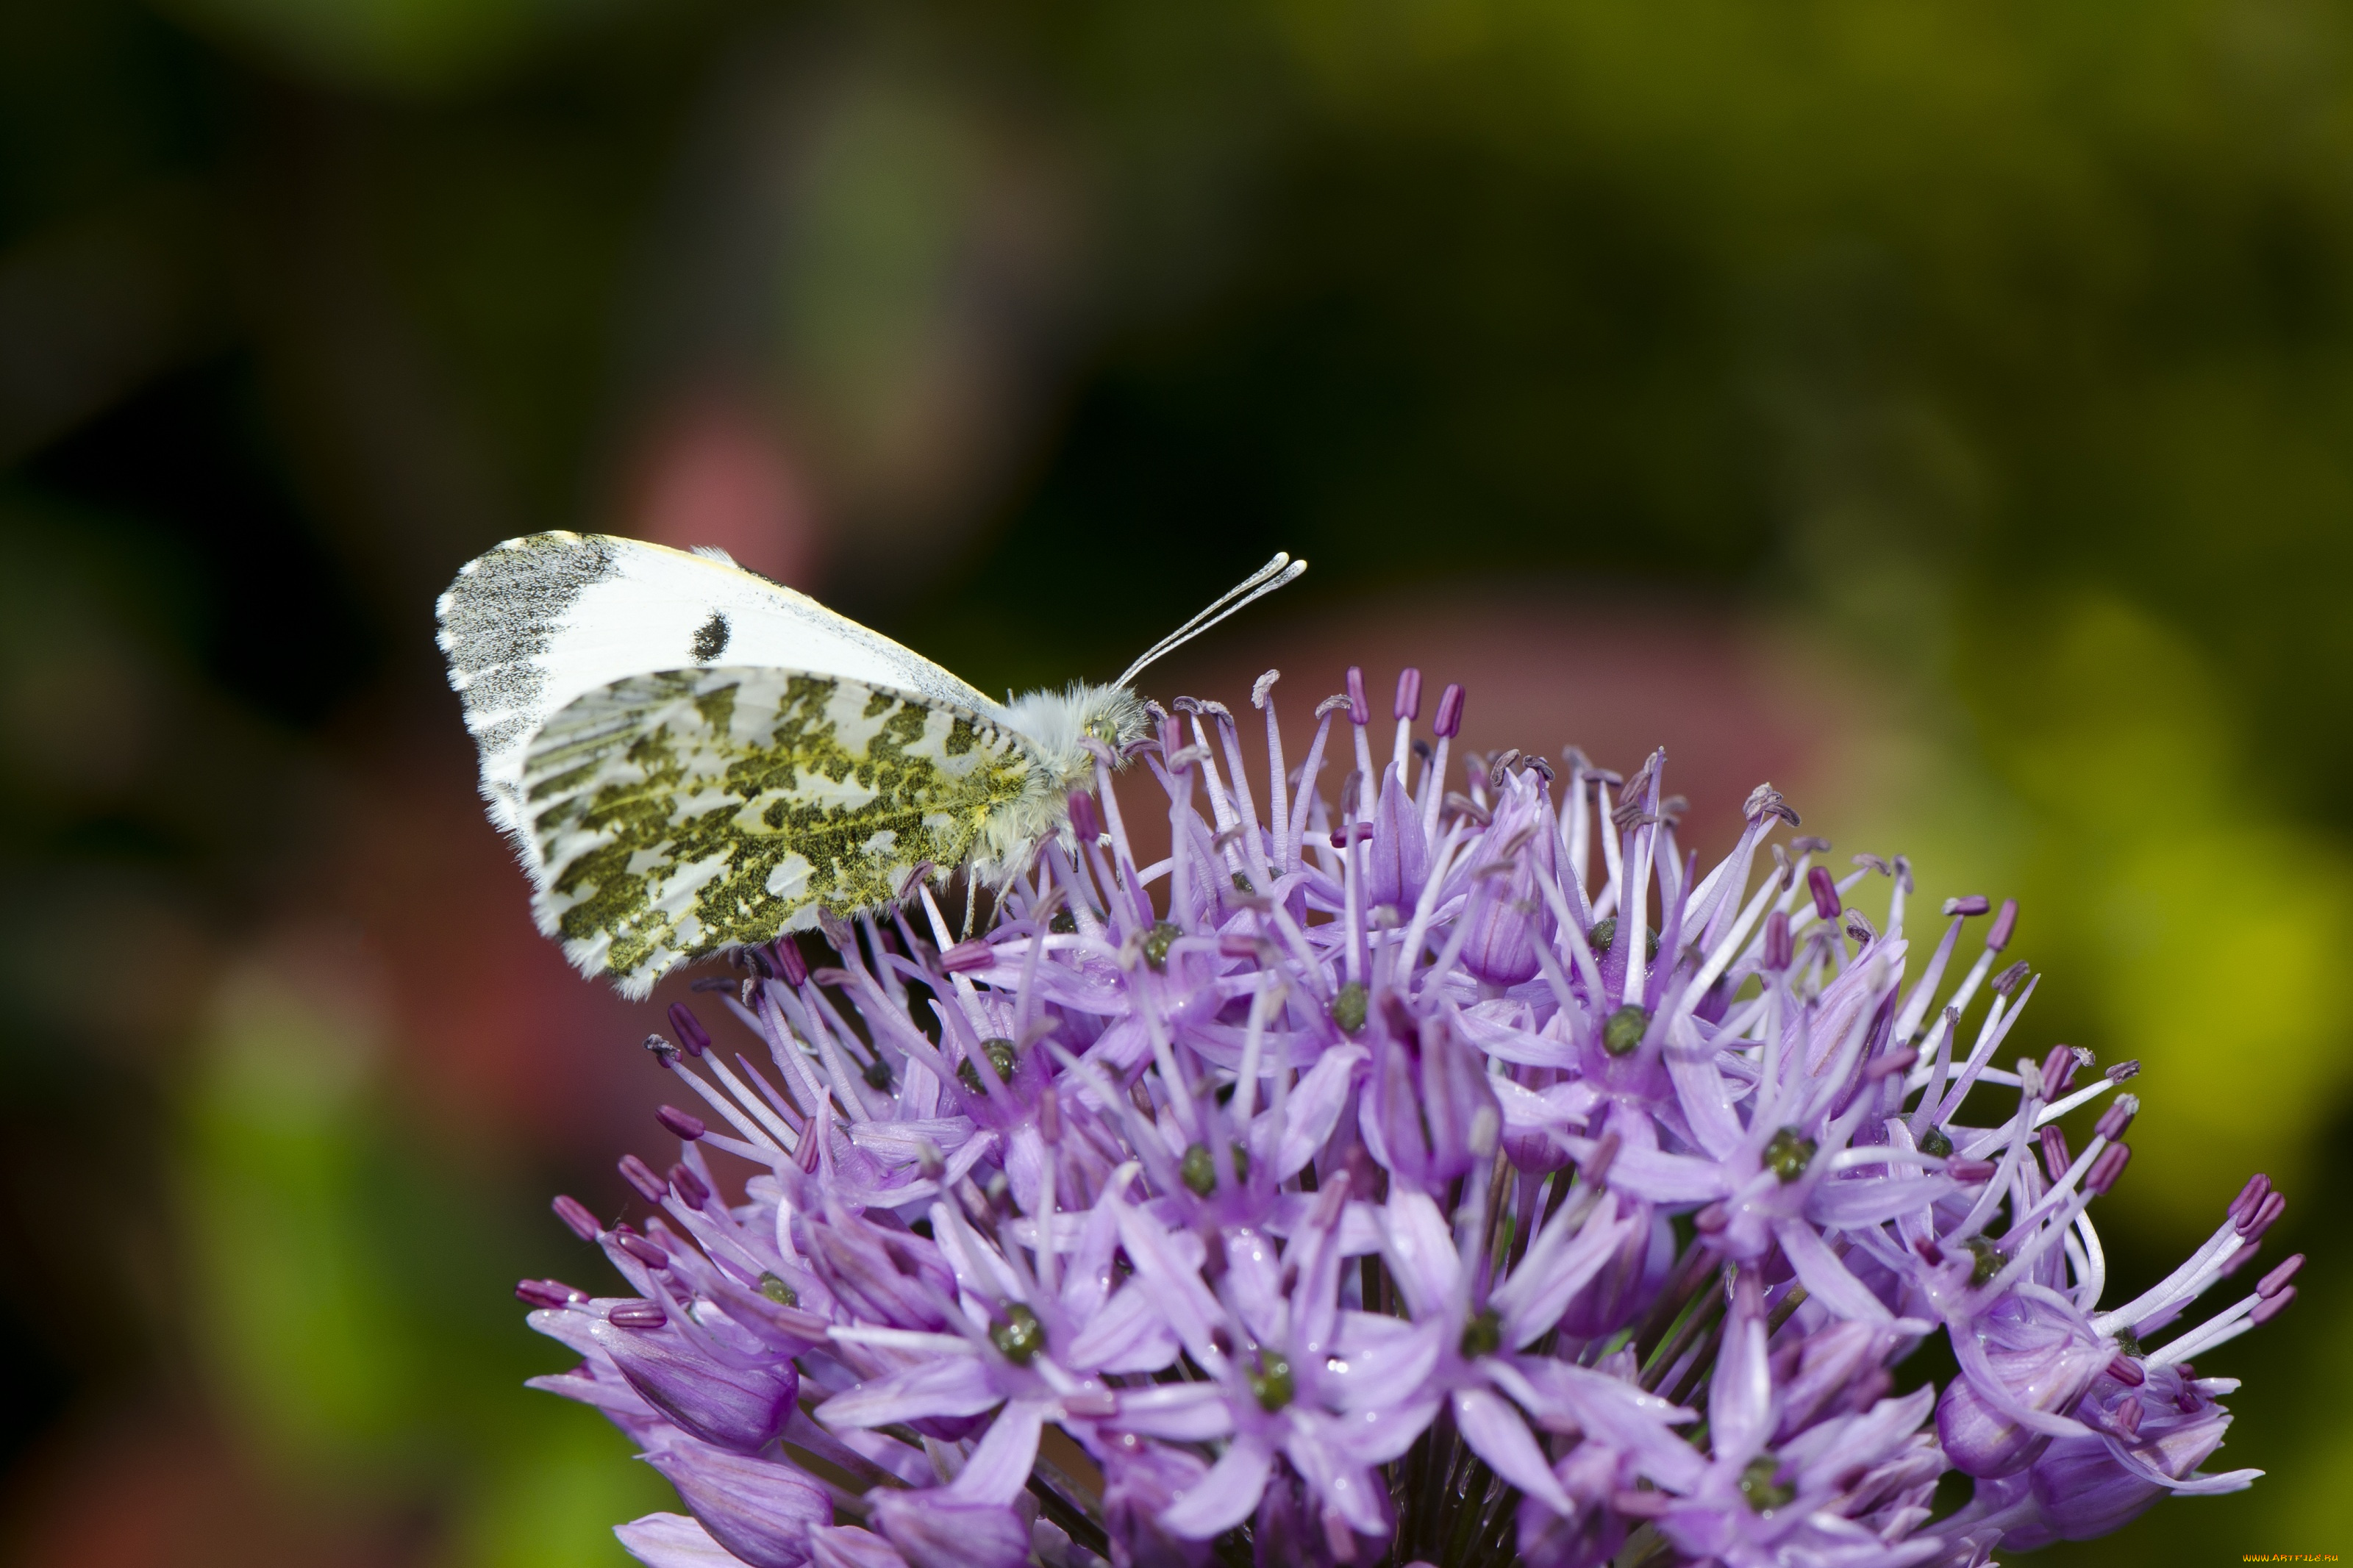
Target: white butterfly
(690,757)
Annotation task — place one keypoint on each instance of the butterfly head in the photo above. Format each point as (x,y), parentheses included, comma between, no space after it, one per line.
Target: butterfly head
(1066,726)
(1115,718)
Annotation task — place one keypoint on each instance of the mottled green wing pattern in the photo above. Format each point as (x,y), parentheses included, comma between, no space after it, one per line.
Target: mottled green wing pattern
(680,812)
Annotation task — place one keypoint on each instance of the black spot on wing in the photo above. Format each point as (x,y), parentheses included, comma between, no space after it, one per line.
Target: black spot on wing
(710,638)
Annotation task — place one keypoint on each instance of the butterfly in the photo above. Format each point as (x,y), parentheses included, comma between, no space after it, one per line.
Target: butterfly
(690,757)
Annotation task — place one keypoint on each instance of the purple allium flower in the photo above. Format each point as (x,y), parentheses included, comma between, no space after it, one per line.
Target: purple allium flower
(1404,1176)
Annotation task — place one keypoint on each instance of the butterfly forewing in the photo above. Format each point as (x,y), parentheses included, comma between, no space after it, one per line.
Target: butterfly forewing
(540,620)
(680,812)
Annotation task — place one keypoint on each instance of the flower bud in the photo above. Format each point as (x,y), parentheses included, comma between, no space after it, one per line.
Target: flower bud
(2275,1282)
(550,1294)
(1824,888)
(2078,1488)
(2058,1069)
(643,1250)
(574,1215)
(1408,693)
(2116,1118)
(758,1509)
(2055,1158)
(741,1410)
(1432,1109)
(968,955)
(1508,915)
(1449,721)
(641,1175)
(1397,861)
(887,1277)
(690,1029)
(2044,1360)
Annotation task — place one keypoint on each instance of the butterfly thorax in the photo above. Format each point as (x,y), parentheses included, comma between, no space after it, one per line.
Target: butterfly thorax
(1056,729)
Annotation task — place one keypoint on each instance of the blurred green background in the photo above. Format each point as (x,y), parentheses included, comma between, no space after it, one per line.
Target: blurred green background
(1945,409)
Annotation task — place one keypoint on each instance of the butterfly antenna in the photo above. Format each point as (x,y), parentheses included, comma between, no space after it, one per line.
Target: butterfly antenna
(1194,626)
(1257,585)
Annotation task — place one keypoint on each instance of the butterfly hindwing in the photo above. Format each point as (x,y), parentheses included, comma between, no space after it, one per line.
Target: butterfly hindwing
(682,812)
(538,621)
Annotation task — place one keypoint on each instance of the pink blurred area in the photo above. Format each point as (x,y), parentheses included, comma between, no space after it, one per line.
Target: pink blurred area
(714,471)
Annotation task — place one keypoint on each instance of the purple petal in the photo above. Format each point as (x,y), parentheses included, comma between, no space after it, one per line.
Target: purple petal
(1397,860)
(1177,1291)
(757,1508)
(1565,1398)
(1827,1279)
(1857,1206)
(1658,1177)
(1861,1441)
(1376,1360)
(1179,1412)
(1088,1276)
(845,1546)
(999,1467)
(1497,1435)
(673,1541)
(1317,1102)
(1827,1364)
(1701,1090)
(1127,1335)
(952,1385)
(1382,1431)
(1421,1250)
(1138,1485)
(1338,1477)
(1740,1397)
(1225,1497)
(1559,1265)
(596,1383)
(932,1529)
(741,1409)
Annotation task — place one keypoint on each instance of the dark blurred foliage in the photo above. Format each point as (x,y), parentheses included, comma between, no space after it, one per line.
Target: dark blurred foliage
(1947,407)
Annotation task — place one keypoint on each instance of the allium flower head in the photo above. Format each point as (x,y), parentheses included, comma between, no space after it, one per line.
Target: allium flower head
(1399,1173)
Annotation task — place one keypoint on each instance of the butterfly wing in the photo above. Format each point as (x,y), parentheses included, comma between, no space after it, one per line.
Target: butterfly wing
(678,813)
(531,625)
